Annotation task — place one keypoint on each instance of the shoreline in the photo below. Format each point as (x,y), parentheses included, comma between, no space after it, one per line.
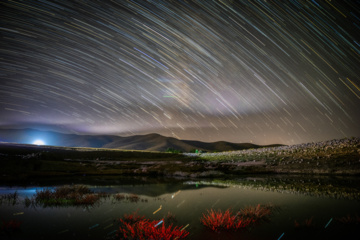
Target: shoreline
(334,157)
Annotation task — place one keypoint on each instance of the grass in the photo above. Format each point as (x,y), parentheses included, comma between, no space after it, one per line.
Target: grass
(74,195)
(67,196)
(257,213)
(119,196)
(10,198)
(334,157)
(133,198)
(133,226)
(10,226)
(301,153)
(350,220)
(306,224)
(339,156)
(23,161)
(218,220)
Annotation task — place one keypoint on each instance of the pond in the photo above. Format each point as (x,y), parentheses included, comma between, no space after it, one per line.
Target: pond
(300,207)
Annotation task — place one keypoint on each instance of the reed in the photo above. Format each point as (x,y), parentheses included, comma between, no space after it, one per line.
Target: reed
(68,195)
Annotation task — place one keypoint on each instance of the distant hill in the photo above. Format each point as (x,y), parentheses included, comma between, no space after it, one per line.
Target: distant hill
(149,142)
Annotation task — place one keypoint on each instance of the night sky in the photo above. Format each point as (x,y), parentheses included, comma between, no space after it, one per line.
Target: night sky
(241,71)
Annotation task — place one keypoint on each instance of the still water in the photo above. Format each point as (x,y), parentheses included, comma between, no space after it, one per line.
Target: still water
(325,208)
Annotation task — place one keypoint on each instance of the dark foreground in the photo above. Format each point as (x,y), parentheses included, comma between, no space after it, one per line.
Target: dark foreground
(110,208)
(335,157)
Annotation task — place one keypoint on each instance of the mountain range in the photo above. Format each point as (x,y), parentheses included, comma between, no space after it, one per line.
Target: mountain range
(149,142)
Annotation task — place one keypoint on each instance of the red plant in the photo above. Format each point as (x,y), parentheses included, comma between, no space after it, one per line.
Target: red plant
(350,219)
(11,225)
(148,230)
(257,213)
(306,224)
(218,220)
(133,198)
(88,199)
(68,195)
(132,218)
(138,227)
(170,218)
(119,196)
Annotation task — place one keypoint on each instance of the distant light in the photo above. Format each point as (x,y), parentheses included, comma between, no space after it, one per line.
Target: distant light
(39,142)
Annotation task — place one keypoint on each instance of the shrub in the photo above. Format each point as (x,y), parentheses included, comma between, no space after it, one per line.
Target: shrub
(68,195)
(260,212)
(119,196)
(138,227)
(10,226)
(133,198)
(348,220)
(218,220)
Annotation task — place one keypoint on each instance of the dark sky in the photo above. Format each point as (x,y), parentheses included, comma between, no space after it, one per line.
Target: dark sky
(241,71)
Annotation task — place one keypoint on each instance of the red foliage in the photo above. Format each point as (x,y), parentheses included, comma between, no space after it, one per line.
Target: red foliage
(133,198)
(218,220)
(11,225)
(307,223)
(137,227)
(88,199)
(132,218)
(257,213)
(119,196)
(350,219)
(68,195)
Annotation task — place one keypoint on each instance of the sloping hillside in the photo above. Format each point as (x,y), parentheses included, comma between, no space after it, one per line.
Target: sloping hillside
(149,142)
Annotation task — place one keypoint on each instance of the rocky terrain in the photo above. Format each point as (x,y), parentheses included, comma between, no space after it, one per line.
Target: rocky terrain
(339,156)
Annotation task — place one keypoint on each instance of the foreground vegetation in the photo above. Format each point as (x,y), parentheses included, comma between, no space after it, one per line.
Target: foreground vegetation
(339,156)
(77,195)
(218,220)
(335,157)
(133,226)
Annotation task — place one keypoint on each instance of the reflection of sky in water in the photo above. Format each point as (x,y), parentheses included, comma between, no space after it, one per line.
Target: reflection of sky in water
(23,192)
(187,205)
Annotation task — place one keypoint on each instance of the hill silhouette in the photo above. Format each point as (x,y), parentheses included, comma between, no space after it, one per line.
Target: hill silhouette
(148,142)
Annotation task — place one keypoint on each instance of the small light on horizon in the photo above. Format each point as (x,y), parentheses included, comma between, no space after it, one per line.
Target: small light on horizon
(39,142)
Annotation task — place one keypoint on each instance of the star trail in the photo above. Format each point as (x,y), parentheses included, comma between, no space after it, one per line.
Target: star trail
(256,71)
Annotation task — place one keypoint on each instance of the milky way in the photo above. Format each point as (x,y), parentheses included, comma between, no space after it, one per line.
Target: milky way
(241,71)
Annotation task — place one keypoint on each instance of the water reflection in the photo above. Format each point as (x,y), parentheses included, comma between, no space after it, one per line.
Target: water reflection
(303,210)
(340,187)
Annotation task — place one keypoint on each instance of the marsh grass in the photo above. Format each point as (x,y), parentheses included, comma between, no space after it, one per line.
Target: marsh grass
(170,218)
(257,213)
(119,196)
(306,224)
(133,198)
(77,195)
(350,220)
(217,220)
(10,226)
(10,198)
(134,226)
